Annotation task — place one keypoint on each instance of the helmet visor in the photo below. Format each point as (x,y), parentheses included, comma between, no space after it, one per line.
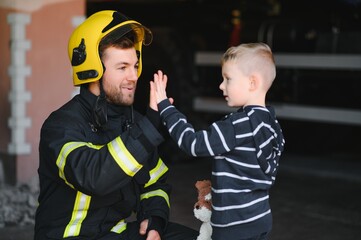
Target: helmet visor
(134,31)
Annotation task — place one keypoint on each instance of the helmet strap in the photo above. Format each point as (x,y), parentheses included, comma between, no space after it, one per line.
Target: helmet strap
(100,113)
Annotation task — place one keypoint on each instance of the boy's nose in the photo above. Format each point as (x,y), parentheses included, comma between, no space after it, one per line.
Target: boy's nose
(221,86)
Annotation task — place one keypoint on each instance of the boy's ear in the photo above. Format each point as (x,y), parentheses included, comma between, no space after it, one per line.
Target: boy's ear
(254,82)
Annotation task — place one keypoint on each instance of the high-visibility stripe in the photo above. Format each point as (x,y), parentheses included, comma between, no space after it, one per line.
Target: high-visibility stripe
(157,172)
(80,210)
(122,156)
(156,193)
(119,227)
(65,151)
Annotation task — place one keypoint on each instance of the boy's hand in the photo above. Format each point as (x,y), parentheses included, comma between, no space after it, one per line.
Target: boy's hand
(152,97)
(157,90)
(160,84)
(159,79)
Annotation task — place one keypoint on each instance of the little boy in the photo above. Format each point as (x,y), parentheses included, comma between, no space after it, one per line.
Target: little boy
(245,145)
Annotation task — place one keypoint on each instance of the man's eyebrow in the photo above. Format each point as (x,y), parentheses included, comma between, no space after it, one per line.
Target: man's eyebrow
(121,63)
(124,63)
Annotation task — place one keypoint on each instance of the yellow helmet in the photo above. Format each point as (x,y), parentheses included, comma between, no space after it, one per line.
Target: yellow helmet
(83,46)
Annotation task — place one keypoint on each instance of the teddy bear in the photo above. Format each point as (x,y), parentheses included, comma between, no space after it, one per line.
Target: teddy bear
(202,209)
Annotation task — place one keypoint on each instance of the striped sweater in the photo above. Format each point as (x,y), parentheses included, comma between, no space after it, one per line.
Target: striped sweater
(246,146)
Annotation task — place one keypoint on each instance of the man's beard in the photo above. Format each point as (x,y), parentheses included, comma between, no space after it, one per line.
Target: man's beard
(116,97)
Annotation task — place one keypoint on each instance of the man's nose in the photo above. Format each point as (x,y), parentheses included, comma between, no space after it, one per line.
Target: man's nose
(132,75)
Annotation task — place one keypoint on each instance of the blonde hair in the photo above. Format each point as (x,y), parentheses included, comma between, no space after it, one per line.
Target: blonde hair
(251,58)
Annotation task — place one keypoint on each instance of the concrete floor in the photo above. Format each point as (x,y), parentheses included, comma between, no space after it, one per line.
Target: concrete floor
(314,198)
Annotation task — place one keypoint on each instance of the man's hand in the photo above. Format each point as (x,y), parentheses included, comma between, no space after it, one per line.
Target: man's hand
(152,234)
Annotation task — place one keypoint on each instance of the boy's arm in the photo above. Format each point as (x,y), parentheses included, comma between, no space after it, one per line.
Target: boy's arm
(216,139)
(208,142)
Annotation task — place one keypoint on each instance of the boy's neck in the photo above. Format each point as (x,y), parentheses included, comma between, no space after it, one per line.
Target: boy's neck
(256,102)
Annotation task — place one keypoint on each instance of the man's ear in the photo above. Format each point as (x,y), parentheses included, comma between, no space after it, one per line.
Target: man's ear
(94,87)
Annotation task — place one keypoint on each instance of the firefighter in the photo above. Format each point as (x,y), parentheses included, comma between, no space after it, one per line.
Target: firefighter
(98,157)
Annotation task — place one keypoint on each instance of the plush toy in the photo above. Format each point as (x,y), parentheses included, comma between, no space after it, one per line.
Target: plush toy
(202,209)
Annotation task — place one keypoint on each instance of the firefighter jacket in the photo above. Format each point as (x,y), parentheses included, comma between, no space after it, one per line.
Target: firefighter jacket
(92,179)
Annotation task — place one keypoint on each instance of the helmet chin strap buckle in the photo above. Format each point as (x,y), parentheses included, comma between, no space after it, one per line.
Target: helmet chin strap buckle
(128,123)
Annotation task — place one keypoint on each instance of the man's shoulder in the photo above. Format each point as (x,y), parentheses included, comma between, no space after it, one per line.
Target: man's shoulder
(71,112)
